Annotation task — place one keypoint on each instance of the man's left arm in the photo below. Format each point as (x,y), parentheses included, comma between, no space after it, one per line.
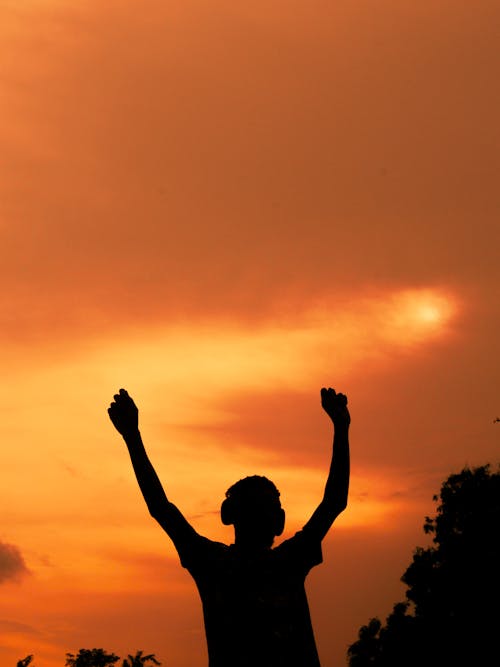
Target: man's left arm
(337,486)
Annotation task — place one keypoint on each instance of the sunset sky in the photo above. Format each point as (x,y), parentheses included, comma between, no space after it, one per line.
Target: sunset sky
(224,207)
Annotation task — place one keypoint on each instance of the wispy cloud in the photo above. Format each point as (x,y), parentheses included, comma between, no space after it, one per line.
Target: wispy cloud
(12,564)
(7,625)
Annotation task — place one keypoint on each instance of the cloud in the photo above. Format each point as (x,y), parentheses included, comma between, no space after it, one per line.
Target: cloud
(12,565)
(198,173)
(13,626)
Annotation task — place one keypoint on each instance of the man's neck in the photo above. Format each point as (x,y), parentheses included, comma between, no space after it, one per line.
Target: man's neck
(252,543)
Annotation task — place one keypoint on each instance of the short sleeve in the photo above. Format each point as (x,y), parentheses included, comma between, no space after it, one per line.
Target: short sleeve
(301,552)
(197,553)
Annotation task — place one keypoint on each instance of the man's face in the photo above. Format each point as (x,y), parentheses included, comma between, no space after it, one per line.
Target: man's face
(260,516)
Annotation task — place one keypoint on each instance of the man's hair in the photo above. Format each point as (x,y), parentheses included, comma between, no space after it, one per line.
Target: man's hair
(245,494)
(248,488)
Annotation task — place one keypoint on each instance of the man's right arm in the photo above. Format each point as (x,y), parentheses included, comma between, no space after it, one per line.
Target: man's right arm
(337,486)
(125,417)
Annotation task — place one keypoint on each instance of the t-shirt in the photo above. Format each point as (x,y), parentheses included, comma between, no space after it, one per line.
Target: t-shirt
(254,604)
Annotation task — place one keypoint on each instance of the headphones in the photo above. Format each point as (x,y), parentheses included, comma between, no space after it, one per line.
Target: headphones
(227,512)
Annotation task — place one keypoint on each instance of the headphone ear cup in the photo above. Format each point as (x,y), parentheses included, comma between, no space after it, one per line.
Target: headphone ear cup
(226,512)
(280,522)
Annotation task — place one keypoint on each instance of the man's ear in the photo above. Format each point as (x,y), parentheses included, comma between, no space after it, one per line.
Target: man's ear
(280,522)
(226,512)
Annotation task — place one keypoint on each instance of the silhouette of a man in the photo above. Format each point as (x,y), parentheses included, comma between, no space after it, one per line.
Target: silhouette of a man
(254,602)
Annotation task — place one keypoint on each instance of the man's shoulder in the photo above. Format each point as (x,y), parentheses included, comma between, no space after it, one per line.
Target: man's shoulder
(301,537)
(303,548)
(200,550)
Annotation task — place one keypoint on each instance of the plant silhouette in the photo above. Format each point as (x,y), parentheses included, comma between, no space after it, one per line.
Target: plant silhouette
(139,660)
(254,603)
(93,657)
(98,657)
(25,661)
(450,615)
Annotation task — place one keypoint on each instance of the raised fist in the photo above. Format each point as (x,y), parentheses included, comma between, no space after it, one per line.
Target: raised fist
(335,406)
(123,413)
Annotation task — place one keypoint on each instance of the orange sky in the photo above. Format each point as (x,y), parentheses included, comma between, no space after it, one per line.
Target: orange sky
(224,208)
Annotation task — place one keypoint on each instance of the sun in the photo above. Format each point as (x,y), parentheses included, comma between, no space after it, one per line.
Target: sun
(416,314)
(429,313)
(433,308)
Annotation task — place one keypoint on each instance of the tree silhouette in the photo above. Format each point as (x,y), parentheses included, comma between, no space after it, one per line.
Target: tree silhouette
(94,657)
(25,661)
(453,586)
(139,660)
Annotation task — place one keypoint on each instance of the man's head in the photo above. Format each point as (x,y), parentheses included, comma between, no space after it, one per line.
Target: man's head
(253,506)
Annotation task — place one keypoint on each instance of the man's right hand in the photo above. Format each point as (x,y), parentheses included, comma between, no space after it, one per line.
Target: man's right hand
(124,414)
(335,406)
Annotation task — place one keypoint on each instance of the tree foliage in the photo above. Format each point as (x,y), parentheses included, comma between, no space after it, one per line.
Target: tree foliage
(139,660)
(93,657)
(24,662)
(451,612)
(98,657)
